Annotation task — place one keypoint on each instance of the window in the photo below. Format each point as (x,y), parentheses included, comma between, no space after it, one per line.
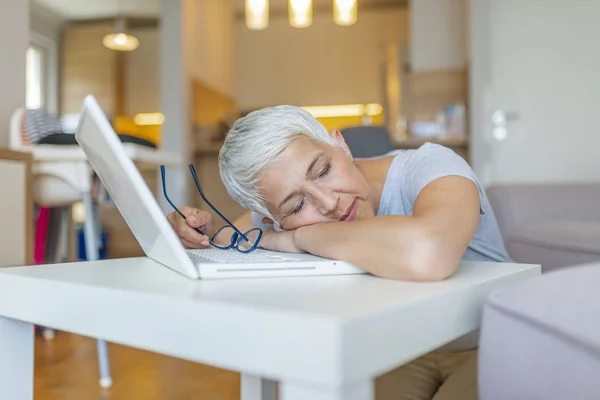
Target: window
(41,73)
(35,77)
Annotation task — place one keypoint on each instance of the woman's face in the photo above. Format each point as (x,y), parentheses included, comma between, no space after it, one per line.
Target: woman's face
(312,182)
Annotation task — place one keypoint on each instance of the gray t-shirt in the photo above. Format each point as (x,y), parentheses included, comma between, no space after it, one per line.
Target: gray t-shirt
(411,171)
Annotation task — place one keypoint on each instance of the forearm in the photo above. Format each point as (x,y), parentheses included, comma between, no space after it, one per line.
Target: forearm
(397,247)
(243,223)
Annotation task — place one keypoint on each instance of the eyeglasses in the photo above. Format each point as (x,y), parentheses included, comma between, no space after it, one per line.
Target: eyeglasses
(242,242)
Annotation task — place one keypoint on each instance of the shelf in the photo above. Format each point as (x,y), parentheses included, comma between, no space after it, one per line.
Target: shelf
(212,149)
(413,143)
(143,156)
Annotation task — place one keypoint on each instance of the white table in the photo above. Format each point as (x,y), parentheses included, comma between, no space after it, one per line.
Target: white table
(56,164)
(322,338)
(141,155)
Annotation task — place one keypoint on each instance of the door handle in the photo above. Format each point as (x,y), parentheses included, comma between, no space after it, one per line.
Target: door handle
(500,120)
(501,117)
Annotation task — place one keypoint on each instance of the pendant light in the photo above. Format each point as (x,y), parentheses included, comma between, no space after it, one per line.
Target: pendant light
(257,14)
(300,13)
(345,12)
(119,40)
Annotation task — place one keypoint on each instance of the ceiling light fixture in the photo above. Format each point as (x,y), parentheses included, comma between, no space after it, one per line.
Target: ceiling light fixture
(119,40)
(257,14)
(300,13)
(345,12)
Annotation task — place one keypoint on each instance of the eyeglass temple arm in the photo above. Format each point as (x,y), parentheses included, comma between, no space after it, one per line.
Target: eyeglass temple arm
(193,171)
(164,185)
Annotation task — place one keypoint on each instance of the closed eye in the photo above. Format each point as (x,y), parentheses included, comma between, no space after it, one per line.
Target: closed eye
(326,170)
(322,173)
(299,206)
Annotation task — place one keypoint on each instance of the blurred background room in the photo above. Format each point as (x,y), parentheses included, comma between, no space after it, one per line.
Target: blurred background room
(381,64)
(173,75)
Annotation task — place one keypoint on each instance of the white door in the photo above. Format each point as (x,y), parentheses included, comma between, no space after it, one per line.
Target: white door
(535,90)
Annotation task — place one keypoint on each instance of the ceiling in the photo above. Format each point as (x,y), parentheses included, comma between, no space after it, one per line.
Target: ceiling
(279,5)
(100,9)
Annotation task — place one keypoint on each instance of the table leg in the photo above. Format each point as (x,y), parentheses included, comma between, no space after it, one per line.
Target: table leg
(357,391)
(16,359)
(257,388)
(91,250)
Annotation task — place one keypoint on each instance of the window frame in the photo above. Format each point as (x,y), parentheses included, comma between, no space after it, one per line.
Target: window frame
(49,69)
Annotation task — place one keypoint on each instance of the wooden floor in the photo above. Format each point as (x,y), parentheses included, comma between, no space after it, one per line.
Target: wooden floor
(66,369)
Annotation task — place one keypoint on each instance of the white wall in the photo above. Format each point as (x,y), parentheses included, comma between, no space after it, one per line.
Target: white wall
(540,65)
(14,38)
(322,64)
(479,77)
(45,23)
(438,34)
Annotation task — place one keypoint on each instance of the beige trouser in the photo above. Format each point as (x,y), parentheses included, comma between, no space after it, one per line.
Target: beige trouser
(434,376)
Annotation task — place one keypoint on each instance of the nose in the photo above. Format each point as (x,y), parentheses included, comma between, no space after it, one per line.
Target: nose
(327,201)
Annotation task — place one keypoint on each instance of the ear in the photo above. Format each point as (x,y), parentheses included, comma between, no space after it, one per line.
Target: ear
(337,135)
(268,221)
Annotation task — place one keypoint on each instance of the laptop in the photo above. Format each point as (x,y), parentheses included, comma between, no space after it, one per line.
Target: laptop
(149,225)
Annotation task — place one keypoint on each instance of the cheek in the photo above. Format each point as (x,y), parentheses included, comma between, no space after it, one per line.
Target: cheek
(346,179)
(366,210)
(309,216)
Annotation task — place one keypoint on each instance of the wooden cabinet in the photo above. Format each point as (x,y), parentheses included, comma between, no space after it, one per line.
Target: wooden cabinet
(427,79)
(16,210)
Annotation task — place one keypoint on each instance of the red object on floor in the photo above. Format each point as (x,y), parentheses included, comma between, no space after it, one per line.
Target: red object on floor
(41,232)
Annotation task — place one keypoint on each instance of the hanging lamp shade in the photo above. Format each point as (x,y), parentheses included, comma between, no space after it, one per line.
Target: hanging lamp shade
(300,13)
(120,40)
(257,14)
(345,12)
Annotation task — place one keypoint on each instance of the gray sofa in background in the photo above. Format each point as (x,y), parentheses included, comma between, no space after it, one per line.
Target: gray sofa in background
(555,225)
(540,339)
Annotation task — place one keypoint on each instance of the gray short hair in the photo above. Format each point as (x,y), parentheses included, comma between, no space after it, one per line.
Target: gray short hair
(256,140)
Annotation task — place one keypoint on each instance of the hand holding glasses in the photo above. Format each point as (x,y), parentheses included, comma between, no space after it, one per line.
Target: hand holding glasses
(242,242)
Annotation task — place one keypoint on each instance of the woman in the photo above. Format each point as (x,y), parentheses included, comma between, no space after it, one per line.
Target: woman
(409,215)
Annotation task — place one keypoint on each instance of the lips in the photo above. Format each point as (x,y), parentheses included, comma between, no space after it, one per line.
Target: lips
(350,214)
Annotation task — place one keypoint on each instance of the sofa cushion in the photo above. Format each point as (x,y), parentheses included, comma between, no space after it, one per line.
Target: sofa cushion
(556,243)
(567,235)
(540,339)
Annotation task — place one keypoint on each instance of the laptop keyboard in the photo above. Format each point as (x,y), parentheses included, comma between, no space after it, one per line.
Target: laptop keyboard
(234,256)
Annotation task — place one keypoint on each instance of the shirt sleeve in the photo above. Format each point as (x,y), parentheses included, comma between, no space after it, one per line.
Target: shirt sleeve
(433,161)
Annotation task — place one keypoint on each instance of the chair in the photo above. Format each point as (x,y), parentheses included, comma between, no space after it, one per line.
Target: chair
(59,184)
(368,141)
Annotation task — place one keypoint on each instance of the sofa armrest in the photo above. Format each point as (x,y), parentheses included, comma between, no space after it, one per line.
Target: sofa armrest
(540,338)
(521,204)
